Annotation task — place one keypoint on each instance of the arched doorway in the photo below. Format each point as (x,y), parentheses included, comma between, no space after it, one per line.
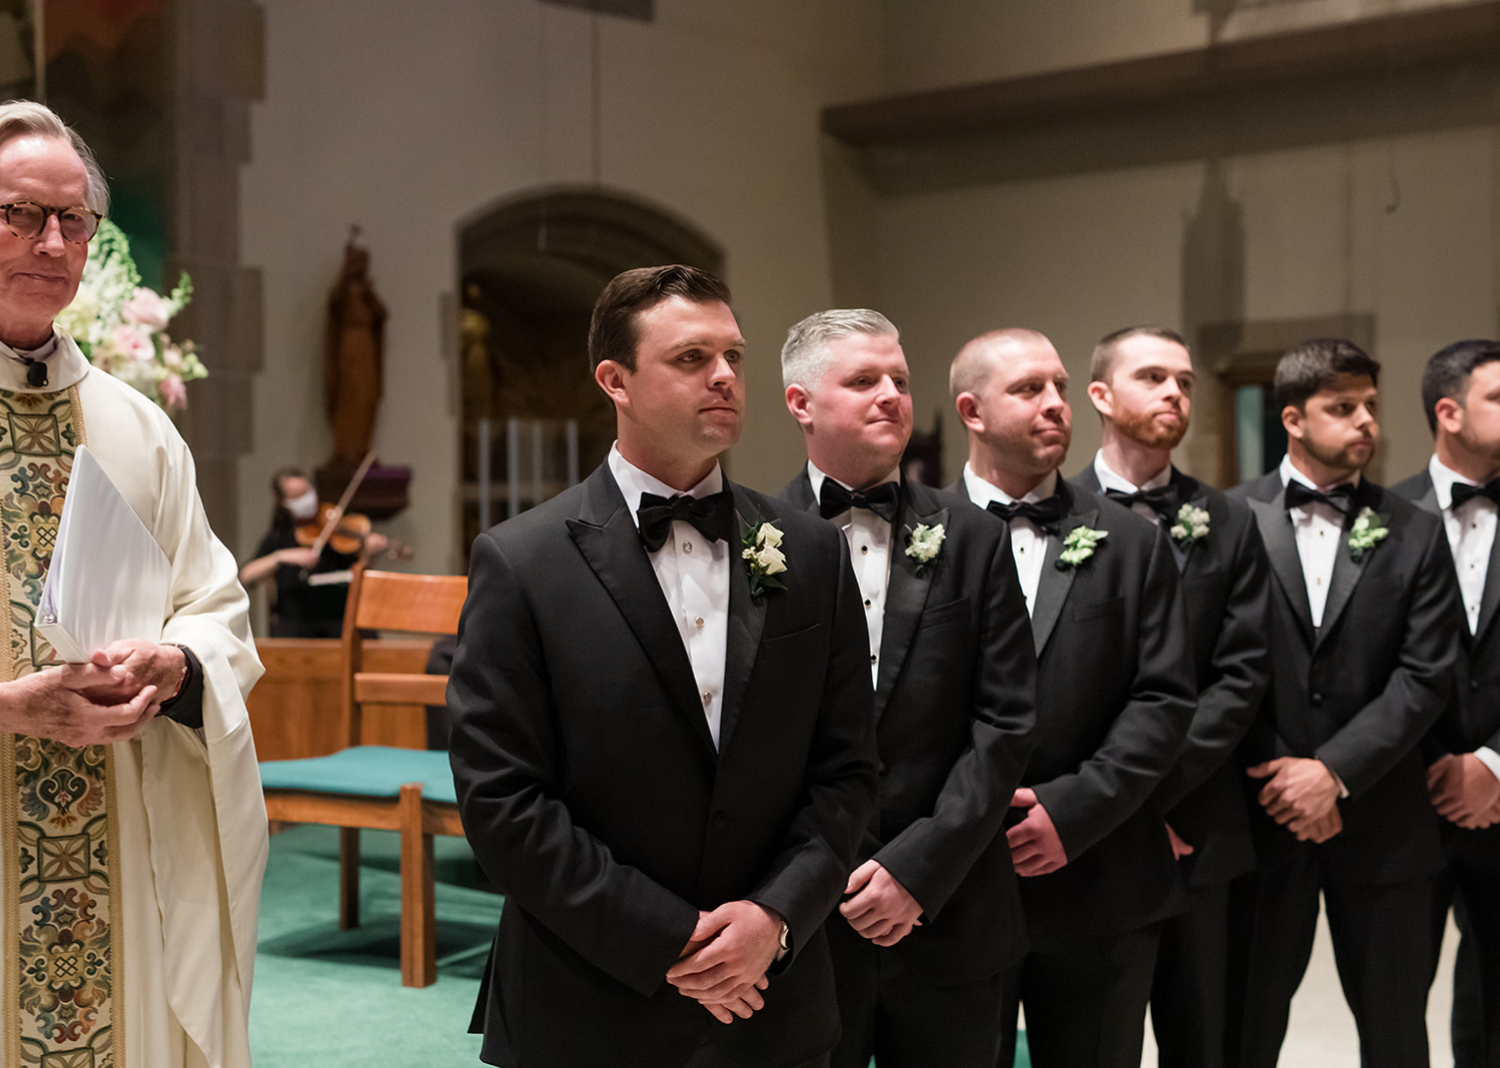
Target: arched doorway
(530,270)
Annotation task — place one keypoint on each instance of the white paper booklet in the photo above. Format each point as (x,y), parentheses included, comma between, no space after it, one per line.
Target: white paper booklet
(109,579)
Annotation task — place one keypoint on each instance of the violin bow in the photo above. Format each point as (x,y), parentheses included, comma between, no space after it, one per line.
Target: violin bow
(337,515)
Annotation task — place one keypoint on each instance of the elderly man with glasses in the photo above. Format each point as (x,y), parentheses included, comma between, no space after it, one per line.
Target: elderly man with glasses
(132,830)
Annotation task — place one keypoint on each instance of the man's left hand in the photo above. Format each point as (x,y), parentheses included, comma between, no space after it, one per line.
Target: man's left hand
(1463,789)
(881,909)
(1035,848)
(742,939)
(126,667)
(1300,788)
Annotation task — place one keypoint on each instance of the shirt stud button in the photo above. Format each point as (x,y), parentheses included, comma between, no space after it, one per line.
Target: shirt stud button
(687,546)
(707,698)
(699,622)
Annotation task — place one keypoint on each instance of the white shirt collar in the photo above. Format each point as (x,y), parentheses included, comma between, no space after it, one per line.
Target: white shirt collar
(982,491)
(816,477)
(1109,479)
(633,482)
(1290,474)
(1443,477)
(66,365)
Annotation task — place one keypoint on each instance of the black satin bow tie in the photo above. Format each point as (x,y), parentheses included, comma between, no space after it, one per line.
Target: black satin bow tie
(834,499)
(1463,493)
(1046,514)
(1338,498)
(1162,500)
(713,516)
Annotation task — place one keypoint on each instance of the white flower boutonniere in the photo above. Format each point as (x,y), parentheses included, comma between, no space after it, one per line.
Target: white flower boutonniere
(924,543)
(1365,534)
(1079,545)
(1192,524)
(764,559)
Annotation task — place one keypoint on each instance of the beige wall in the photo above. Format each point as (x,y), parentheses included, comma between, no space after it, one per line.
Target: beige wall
(407,118)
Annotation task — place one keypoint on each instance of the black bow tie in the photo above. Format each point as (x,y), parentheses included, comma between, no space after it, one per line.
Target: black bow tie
(1463,493)
(1046,514)
(713,516)
(834,500)
(1162,500)
(1338,498)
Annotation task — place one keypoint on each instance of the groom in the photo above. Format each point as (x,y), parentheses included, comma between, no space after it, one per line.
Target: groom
(663,740)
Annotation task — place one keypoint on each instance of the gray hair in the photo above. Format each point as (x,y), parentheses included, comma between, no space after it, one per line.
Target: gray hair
(22,118)
(804,357)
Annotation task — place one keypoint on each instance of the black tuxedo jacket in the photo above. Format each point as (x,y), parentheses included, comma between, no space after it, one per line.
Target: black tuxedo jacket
(1114,698)
(593,796)
(1472,718)
(955,708)
(1359,692)
(1225,592)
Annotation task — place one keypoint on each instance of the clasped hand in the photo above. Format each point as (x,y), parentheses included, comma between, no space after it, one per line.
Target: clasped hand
(723,967)
(1464,791)
(879,908)
(1302,795)
(1035,846)
(108,699)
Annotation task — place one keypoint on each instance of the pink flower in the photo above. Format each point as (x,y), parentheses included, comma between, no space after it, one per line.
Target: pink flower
(133,343)
(147,308)
(173,392)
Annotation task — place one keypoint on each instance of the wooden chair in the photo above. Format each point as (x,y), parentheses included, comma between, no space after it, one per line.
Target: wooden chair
(379,787)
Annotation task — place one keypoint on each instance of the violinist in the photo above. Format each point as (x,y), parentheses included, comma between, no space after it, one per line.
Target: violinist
(304,606)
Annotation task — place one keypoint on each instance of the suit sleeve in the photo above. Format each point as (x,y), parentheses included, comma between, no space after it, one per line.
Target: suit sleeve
(1377,736)
(804,883)
(1144,740)
(931,857)
(1240,669)
(505,764)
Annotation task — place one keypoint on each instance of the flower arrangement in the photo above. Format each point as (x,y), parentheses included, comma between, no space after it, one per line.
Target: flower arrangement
(924,543)
(1365,534)
(764,559)
(1079,545)
(120,325)
(1191,525)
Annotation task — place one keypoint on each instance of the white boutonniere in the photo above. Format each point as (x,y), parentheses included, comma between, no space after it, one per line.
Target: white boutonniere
(1365,534)
(763,557)
(1192,524)
(924,543)
(1079,545)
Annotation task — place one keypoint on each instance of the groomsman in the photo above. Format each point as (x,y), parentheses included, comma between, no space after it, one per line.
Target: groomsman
(1114,698)
(1364,640)
(1142,385)
(932,913)
(1461,395)
(662,738)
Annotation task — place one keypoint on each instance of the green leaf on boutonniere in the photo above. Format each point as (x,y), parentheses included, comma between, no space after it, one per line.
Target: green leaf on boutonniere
(1365,534)
(763,557)
(924,543)
(1079,545)
(1192,524)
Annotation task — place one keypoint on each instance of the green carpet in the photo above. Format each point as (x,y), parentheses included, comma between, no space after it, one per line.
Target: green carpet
(334,998)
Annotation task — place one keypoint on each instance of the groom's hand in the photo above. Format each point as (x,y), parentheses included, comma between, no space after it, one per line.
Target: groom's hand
(738,941)
(880,909)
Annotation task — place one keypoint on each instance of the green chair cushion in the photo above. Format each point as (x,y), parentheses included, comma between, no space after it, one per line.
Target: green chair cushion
(366,771)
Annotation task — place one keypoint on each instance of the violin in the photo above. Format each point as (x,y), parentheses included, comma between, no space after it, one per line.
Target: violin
(342,531)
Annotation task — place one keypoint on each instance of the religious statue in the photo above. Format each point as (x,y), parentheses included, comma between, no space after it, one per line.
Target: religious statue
(353,356)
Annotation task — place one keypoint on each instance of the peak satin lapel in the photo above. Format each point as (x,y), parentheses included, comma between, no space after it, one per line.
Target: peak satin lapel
(747,619)
(905,597)
(1346,575)
(1052,588)
(1281,548)
(615,553)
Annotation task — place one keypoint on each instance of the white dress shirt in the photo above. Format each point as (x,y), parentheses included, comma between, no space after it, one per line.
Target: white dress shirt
(1320,530)
(1027,542)
(694,576)
(1110,480)
(1471,535)
(869,539)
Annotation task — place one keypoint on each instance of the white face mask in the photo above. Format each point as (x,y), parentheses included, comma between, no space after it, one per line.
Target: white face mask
(304,507)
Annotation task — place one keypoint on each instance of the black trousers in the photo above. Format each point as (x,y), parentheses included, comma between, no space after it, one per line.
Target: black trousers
(709,1056)
(1382,945)
(1188,991)
(1471,885)
(1085,1000)
(905,1020)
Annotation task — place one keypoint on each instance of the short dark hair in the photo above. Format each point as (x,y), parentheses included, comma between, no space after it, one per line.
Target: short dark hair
(1315,365)
(1103,363)
(612,333)
(1448,372)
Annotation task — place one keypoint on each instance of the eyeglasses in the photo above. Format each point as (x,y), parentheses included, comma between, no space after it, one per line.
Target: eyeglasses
(27,220)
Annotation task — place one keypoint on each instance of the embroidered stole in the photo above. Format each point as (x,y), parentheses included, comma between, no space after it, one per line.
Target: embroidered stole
(61,1003)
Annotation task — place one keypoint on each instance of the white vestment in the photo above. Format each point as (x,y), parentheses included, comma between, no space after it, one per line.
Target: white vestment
(188,806)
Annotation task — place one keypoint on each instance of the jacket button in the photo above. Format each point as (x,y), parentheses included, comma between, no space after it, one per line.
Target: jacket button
(1317,699)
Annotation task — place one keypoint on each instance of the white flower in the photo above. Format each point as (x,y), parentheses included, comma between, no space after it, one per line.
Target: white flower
(1192,524)
(764,558)
(1079,545)
(924,544)
(1365,534)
